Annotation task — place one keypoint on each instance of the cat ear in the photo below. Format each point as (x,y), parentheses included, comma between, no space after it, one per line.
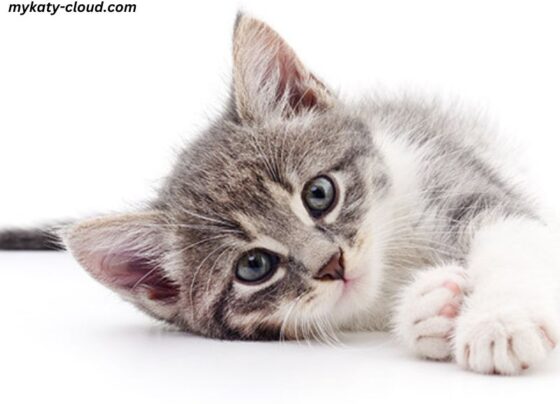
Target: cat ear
(269,77)
(125,253)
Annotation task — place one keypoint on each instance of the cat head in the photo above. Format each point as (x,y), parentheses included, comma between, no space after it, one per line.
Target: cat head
(266,226)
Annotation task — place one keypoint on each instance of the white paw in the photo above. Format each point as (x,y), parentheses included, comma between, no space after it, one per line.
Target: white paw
(428,307)
(505,340)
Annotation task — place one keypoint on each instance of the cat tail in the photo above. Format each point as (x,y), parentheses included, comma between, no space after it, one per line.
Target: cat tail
(45,238)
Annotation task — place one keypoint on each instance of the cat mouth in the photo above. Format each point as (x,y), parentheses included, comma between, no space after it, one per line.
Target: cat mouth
(350,281)
(349,285)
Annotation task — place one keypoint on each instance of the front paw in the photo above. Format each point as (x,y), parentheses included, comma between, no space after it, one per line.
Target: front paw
(425,318)
(505,340)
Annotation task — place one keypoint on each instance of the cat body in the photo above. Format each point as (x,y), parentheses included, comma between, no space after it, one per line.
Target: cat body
(295,215)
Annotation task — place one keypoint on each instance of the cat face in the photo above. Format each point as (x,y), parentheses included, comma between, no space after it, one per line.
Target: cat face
(264,228)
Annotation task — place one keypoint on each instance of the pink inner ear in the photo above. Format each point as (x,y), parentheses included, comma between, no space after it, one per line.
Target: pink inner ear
(300,96)
(137,273)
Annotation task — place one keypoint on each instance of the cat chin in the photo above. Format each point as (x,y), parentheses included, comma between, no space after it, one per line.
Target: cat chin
(347,304)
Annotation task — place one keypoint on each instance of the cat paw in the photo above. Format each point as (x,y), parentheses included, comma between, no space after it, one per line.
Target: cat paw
(427,311)
(505,341)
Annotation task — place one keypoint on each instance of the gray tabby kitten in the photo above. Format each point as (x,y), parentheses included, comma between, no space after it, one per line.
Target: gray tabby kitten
(295,215)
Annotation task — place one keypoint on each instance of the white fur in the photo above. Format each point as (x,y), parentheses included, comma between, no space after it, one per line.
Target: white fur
(299,210)
(333,215)
(512,318)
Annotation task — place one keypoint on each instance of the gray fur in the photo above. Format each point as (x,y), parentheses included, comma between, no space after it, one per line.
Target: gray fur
(30,239)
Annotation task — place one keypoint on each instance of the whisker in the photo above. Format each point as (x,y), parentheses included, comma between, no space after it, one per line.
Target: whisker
(206,240)
(284,323)
(203,217)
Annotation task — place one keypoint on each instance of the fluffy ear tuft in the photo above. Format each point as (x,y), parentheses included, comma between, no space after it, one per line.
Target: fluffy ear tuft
(125,253)
(269,77)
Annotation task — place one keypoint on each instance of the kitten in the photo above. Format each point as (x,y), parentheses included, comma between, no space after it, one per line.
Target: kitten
(295,215)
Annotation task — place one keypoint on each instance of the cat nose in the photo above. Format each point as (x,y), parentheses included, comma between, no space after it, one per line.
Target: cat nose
(333,270)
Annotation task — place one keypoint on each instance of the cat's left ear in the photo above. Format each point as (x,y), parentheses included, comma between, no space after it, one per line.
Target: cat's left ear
(269,77)
(126,253)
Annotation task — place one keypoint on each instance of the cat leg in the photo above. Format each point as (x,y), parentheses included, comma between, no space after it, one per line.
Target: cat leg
(511,319)
(426,313)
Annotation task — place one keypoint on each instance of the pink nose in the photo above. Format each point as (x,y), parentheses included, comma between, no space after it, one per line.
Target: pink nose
(333,270)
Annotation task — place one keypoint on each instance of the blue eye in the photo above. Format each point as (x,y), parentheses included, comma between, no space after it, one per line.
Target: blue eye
(319,196)
(256,266)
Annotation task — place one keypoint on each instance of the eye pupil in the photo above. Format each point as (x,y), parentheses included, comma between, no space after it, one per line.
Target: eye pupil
(317,192)
(319,196)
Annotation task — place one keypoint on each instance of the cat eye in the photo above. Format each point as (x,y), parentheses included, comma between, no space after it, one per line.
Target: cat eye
(256,266)
(319,196)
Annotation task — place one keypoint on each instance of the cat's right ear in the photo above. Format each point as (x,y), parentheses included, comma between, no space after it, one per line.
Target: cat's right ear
(269,78)
(126,253)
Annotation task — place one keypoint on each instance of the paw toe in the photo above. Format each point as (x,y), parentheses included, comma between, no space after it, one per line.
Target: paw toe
(501,343)
(437,348)
(453,287)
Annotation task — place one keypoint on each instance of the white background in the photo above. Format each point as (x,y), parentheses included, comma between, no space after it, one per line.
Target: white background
(92,109)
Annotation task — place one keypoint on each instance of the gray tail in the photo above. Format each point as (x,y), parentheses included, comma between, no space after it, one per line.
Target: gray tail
(37,239)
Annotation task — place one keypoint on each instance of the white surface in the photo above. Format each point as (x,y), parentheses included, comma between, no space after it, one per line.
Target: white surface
(91,107)
(67,340)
